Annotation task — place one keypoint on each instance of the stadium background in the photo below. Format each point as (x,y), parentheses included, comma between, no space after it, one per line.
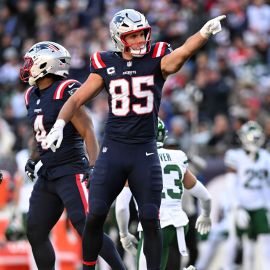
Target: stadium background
(225,83)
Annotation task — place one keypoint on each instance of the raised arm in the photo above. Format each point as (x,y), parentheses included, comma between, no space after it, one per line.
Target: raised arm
(89,89)
(172,62)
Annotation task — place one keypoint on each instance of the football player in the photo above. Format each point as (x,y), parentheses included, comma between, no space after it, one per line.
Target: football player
(249,175)
(177,179)
(133,76)
(59,184)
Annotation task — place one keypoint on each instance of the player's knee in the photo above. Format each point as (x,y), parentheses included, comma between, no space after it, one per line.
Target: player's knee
(150,225)
(149,211)
(94,222)
(98,207)
(35,232)
(98,211)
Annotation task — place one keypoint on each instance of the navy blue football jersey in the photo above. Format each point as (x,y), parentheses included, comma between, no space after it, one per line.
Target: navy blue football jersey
(43,108)
(134,92)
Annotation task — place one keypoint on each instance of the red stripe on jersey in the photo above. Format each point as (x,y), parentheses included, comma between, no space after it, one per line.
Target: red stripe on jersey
(155,50)
(163,49)
(100,60)
(90,263)
(97,61)
(59,92)
(159,49)
(27,94)
(83,192)
(93,62)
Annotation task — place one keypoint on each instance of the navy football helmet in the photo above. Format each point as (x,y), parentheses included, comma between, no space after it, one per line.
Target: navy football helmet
(128,21)
(44,58)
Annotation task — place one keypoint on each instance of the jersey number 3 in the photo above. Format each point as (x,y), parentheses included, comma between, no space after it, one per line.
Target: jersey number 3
(177,182)
(121,93)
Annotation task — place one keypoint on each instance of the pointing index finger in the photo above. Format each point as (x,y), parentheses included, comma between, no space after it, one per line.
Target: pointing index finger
(221,17)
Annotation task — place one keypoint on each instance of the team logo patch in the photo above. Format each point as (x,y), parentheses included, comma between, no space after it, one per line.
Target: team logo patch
(104,149)
(72,91)
(170,48)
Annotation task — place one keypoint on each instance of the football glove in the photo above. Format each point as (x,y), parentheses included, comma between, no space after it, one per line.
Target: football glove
(30,169)
(242,218)
(128,242)
(191,267)
(88,177)
(55,135)
(212,27)
(203,224)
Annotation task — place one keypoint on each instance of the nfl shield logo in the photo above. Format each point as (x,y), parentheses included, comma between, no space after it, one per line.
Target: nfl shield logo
(129,63)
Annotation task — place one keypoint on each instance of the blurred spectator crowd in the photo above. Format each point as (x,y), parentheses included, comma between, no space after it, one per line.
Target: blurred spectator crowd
(226,83)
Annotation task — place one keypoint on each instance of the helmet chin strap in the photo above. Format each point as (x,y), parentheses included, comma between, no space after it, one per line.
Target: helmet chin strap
(31,81)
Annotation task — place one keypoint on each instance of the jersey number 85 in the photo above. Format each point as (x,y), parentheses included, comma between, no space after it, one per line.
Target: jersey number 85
(120,94)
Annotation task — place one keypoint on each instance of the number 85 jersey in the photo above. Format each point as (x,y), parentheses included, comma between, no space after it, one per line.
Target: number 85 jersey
(134,88)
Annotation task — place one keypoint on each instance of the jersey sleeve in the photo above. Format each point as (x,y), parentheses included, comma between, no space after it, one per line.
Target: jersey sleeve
(97,62)
(183,159)
(230,159)
(66,89)
(27,96)
(161,49)
(70,90)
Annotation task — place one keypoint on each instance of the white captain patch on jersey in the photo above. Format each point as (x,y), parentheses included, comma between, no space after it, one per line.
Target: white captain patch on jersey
(252,176)
(174,164)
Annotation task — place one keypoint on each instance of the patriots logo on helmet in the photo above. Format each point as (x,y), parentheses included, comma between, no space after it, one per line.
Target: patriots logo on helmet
(118,20)
(49,46)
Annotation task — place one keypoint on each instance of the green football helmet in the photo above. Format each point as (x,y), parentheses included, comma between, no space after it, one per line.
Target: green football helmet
(162,133)
(251,136)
